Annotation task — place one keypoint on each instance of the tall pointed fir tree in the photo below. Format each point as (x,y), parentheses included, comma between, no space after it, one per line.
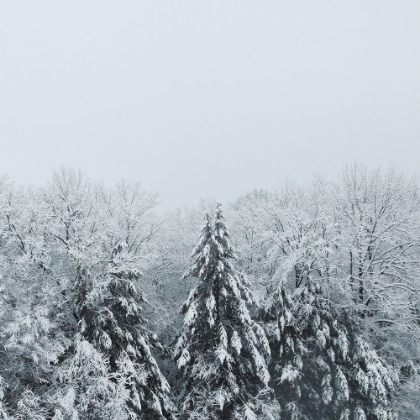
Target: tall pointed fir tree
(221,352)
(321,365)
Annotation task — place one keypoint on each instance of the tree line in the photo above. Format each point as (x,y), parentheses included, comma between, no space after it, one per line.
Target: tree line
(306,307)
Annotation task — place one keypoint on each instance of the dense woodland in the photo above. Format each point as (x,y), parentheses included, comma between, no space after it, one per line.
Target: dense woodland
(300,302)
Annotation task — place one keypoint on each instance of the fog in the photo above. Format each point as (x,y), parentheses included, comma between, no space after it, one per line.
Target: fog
(207,98)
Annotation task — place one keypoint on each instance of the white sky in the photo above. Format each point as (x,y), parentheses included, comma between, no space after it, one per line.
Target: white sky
(197,98)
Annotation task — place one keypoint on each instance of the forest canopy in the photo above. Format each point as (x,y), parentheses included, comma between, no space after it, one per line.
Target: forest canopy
(301,302)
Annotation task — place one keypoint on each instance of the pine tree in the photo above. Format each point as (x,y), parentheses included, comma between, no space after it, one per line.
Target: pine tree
(323,366)
(112,332)
(221,352)
(110,371)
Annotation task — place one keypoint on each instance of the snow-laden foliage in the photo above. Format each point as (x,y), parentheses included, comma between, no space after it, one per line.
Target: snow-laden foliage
(3,411)
(322,364)
(74,342)
(107,304)
(90,389)
(360,238)
(340,260)
(33,315)
(111,322)
(221,352)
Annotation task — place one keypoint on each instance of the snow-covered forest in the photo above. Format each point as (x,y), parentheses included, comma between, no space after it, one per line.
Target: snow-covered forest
(300,302)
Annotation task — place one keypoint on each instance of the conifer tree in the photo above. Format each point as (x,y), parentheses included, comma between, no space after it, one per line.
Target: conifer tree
(220,351)
(323,368)
(110,371)
(122,371)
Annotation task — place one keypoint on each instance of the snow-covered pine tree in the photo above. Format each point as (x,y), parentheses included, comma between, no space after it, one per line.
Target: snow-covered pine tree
(113,348)
(109,372)
(323,368)
(221,352)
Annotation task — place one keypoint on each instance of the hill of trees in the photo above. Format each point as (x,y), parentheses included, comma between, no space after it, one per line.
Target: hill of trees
(293,303)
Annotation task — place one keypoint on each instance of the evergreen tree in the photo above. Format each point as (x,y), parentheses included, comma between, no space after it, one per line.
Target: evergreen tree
(113,338)
(323,366)
(110,371)
(220,351)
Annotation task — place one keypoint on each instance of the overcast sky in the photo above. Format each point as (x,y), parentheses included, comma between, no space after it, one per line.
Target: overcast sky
(197,98)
